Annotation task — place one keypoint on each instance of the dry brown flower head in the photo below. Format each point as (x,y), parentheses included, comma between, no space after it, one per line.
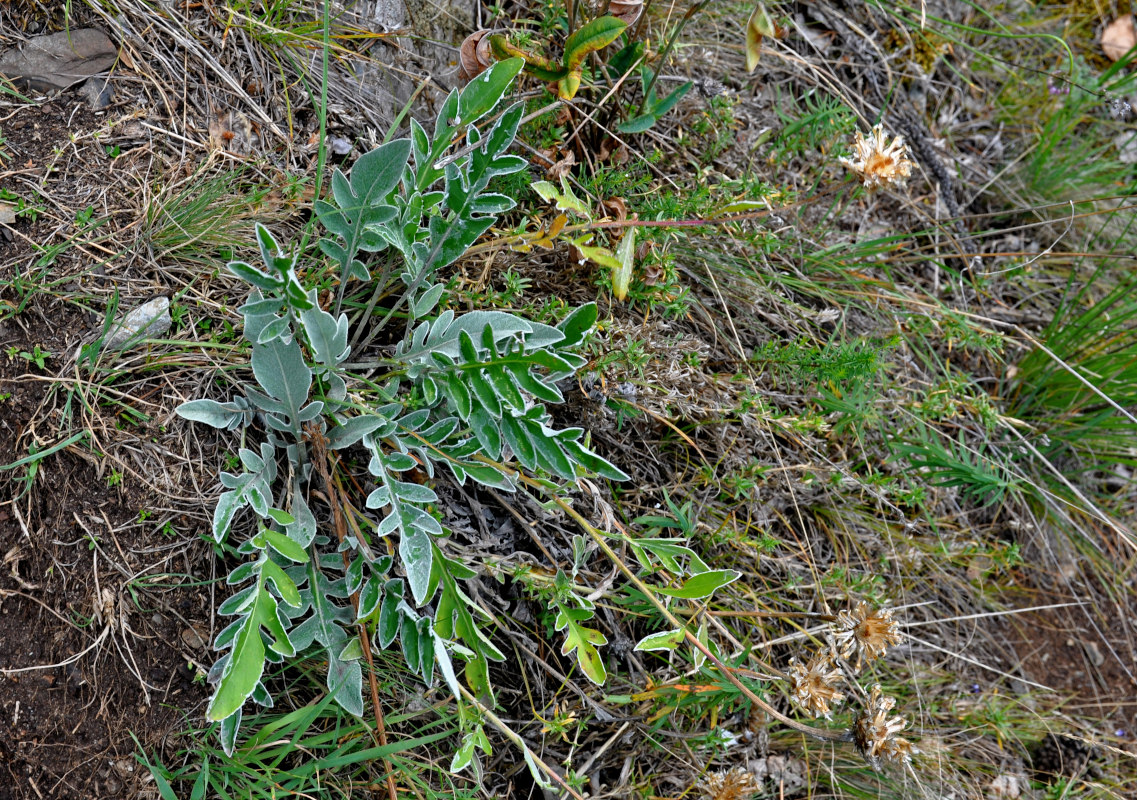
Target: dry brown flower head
(875,732)
(878,161)
(813,685)
(866,632)
(897,751)
(734,784)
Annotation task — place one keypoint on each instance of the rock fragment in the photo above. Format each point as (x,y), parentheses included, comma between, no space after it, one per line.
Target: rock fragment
(144,322)
(98,93)
(59,60)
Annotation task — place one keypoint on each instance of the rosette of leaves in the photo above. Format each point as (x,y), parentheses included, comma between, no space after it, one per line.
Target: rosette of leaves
(480,383)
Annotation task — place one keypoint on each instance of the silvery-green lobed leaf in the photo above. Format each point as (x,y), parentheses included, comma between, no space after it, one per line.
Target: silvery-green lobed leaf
(219,415)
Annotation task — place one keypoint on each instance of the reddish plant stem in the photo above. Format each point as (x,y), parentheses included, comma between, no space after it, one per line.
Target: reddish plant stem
(320,459)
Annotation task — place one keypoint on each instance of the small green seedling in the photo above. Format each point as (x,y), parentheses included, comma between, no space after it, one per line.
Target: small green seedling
(37,356)
(654,107)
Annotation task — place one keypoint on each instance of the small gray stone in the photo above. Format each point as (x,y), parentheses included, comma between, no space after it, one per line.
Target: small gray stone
(1126,144)
(145,322)
(59,60)
(98,93)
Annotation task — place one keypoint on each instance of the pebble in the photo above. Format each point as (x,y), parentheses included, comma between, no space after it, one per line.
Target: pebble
(194,638)
(144,322)
(98,93)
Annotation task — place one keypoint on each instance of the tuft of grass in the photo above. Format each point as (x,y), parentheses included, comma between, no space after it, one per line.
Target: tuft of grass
(315,750)
(1076,390)
(202,218)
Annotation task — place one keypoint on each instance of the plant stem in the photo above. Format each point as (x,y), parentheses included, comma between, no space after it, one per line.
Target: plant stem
(583,227)
(320,461)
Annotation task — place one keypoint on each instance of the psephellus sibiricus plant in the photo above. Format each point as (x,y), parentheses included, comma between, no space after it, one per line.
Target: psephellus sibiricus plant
(480,383)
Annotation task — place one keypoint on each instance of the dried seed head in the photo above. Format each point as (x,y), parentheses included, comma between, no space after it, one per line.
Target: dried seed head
(235,132)
(897,751)
(875,732)
(734,784)
(866,632)
(813,685)
(878,161)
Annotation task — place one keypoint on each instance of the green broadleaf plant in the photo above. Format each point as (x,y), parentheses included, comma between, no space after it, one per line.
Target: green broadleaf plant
(480,382)
(654,108)
(588,38)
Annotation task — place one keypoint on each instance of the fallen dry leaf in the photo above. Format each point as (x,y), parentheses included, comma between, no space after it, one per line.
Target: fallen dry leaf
(653,274)
(627,10)
(474,57)
(547,157)
(616,208)
(612,150)
(561,168)
(1119,37)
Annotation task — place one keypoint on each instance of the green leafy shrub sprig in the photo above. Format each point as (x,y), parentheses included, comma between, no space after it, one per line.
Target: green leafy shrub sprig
(589,38)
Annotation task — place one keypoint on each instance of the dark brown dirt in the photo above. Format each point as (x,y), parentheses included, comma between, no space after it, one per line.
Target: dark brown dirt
(1091,661)
(84,666)
(97,642)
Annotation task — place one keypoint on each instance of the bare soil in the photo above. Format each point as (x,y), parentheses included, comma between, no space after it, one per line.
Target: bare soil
(1089,659)
(97,653)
